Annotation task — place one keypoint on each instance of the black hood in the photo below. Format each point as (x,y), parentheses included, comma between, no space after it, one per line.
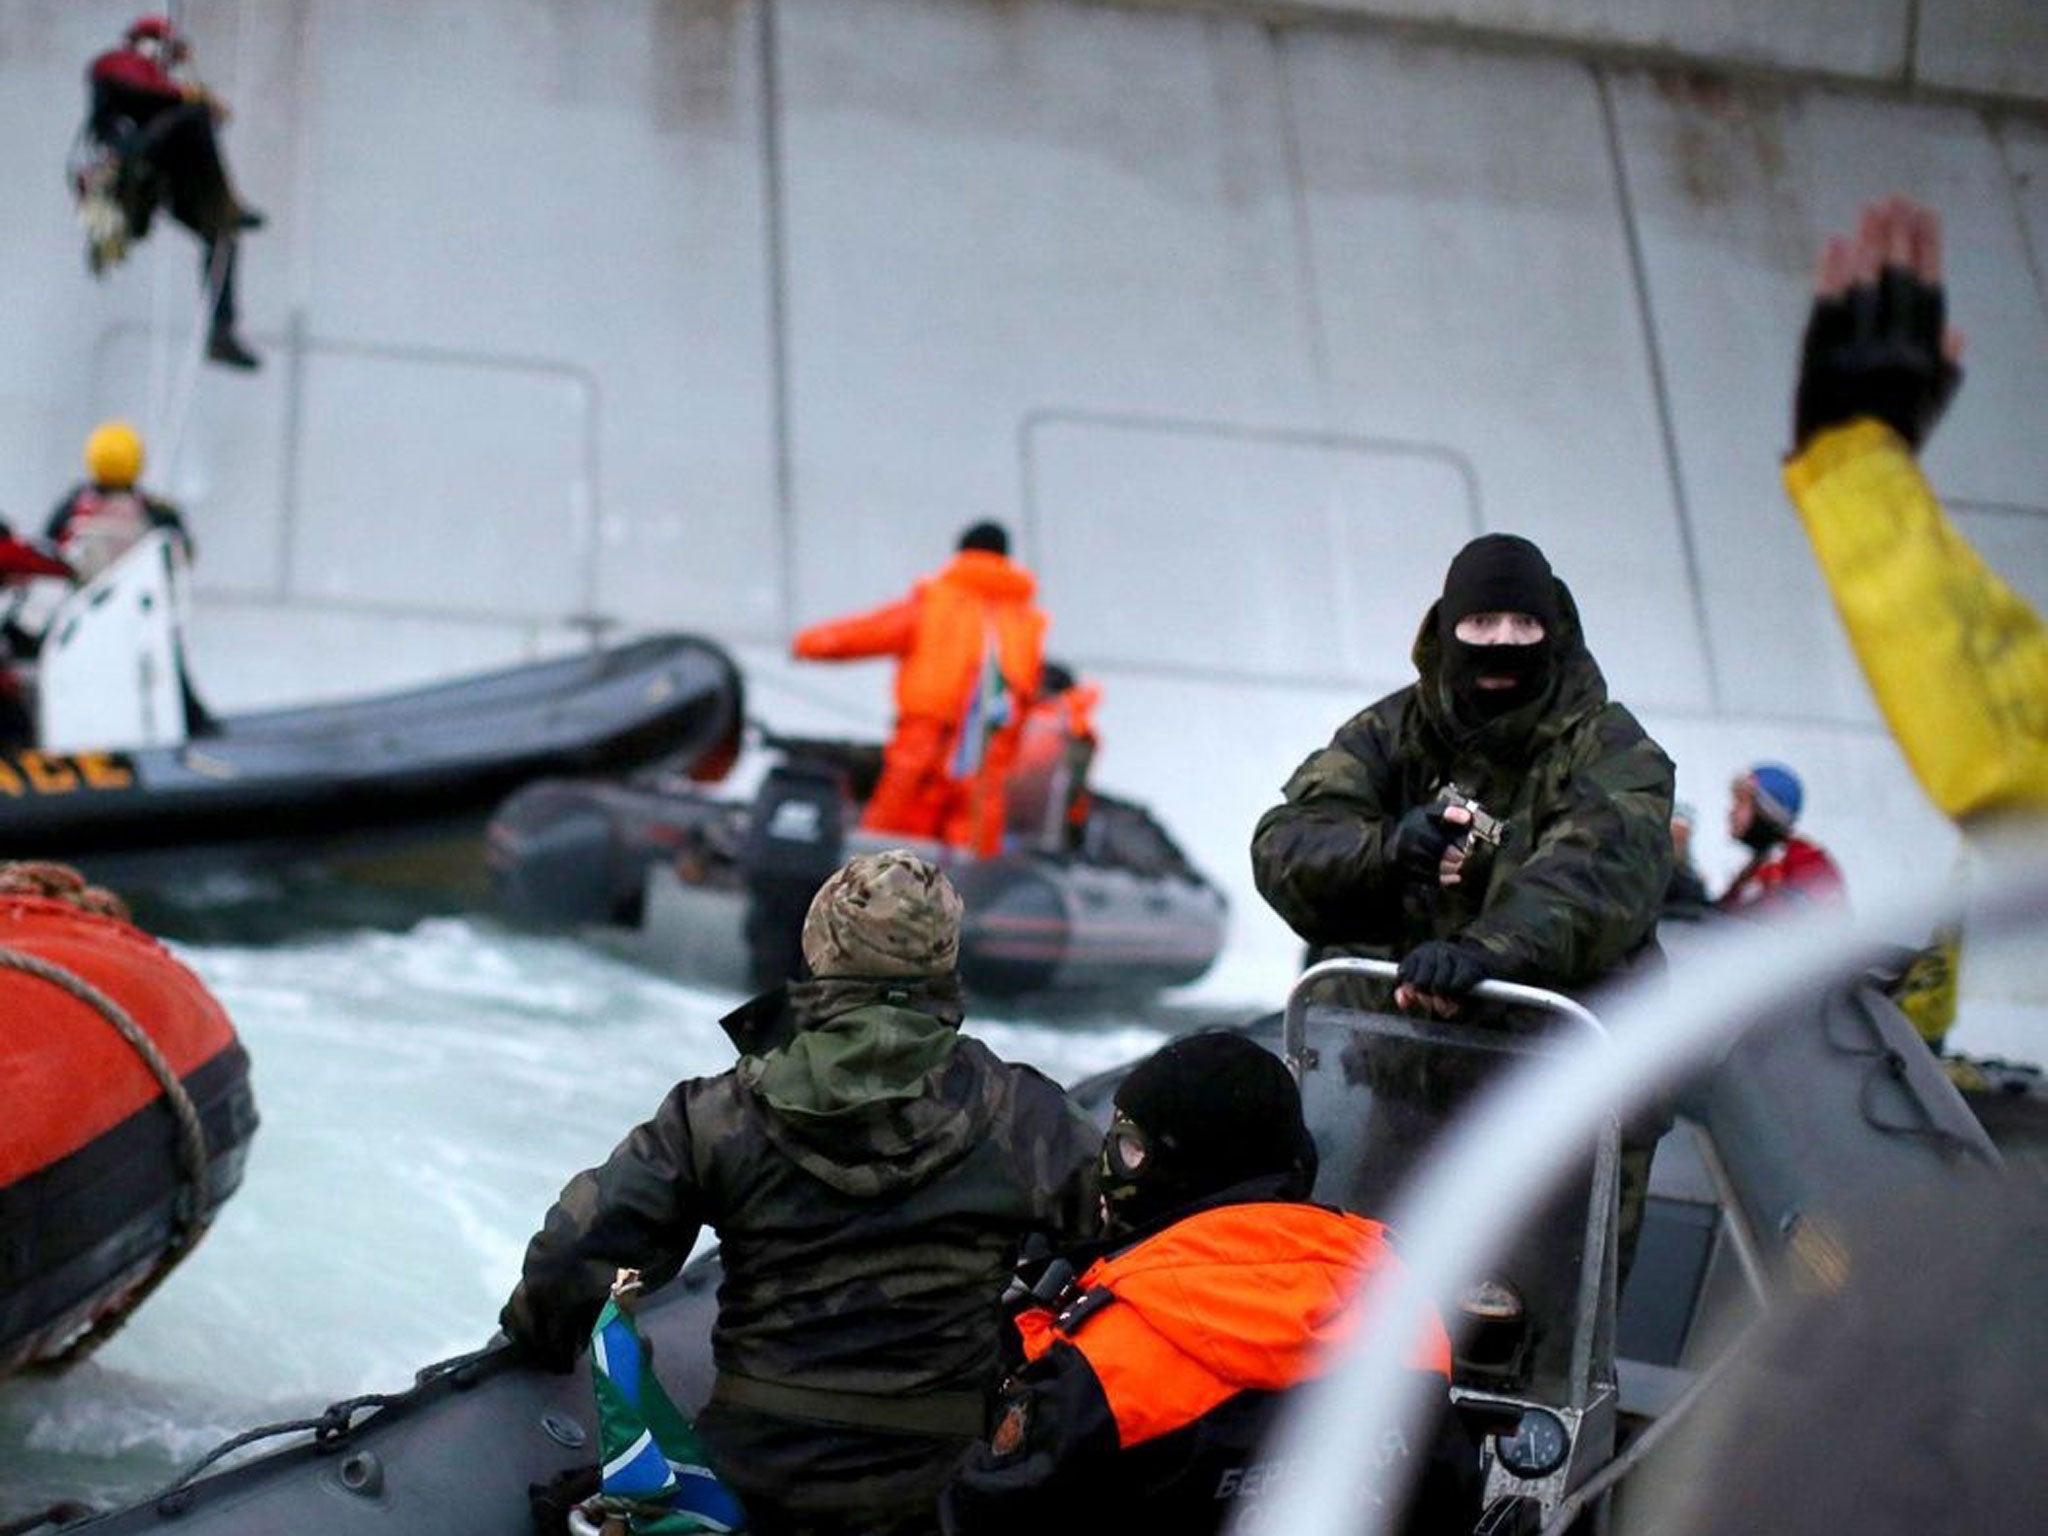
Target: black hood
(1576,689)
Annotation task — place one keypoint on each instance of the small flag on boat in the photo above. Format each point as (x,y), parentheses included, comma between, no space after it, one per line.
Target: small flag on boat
(989,708)
(656,1472)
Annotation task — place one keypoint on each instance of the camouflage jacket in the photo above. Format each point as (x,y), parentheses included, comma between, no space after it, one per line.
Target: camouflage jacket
(869,1182)
(1573,891)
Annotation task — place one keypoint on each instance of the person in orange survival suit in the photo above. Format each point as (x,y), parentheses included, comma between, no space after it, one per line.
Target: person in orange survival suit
(971,644)
(1149,1383)
(1048,786)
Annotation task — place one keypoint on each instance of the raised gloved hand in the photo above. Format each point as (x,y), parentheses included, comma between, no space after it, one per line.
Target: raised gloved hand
(1421,838)
(1878,342)
(1438,973)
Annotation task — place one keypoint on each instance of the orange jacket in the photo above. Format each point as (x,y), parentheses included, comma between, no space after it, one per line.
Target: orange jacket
(941,631)
(1055,747)
(1146,1399)
(1057,719)
(1235,1298)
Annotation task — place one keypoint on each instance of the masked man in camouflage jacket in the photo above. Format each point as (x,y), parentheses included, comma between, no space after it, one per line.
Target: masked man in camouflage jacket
(870,1176)
(1367,856)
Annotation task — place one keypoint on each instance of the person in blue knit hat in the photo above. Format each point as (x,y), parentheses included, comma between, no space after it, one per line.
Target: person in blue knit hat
(1782,867)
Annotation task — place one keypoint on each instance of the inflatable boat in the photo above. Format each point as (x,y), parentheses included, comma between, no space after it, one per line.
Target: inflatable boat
(128,1115)
(126,764)
(715,889)
(475,1443)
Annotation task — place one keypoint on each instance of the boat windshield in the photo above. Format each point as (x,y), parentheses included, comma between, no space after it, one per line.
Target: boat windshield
(1379,1089)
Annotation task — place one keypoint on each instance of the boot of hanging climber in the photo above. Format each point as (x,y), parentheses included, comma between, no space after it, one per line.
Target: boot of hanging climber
(224,346)
(217,277)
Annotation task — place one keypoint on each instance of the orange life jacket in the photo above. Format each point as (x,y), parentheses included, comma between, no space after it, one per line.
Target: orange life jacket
(1247,1297)
(1055,720)
(1055,746)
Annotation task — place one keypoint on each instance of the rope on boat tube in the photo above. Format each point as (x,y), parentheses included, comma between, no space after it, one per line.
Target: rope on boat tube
(192,1214)
(329,1427)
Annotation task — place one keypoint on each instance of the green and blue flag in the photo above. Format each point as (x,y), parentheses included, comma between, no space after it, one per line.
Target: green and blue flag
(656,1472)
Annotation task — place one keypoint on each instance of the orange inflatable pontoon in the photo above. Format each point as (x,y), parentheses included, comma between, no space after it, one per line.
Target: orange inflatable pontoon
(111,1163)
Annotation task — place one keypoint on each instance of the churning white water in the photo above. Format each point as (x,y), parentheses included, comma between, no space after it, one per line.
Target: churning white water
(424,1095)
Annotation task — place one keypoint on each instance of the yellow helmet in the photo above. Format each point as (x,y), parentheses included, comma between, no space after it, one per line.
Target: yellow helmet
(113,454)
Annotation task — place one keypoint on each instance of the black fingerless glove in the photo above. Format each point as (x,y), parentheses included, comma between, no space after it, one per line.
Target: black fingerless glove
(1875,350)
(1442,969)
(1420,840)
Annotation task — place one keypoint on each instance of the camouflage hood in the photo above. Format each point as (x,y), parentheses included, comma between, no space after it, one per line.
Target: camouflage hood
(1577,689)
(865,1095)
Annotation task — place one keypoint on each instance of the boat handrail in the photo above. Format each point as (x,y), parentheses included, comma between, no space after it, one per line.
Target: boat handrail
(1294,1047)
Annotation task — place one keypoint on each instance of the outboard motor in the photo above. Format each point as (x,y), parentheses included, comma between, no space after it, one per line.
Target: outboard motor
(794,841)
(555,858)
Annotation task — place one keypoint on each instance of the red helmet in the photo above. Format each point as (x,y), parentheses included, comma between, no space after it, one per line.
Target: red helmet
(160,30)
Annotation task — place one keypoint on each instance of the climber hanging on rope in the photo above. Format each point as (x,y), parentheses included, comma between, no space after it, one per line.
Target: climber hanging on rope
(149,140)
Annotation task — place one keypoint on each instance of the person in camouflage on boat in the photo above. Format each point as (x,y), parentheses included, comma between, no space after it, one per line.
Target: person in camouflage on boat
(871,1174)
(1365,857)
(1556,880)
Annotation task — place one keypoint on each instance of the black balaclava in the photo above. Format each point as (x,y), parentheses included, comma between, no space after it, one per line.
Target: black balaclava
(1497,573)
(1210,1111)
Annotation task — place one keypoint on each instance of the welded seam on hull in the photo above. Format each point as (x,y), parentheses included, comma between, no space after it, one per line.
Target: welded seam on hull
(2029,249)
(1639,274)
(775,238)
(1308,275)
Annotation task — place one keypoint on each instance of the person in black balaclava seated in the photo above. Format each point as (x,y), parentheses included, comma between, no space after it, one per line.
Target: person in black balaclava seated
(1368,856)
(1147,1382)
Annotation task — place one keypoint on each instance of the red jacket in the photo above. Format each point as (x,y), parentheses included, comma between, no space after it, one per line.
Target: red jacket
(133,71)
(1794,870)
(19,559)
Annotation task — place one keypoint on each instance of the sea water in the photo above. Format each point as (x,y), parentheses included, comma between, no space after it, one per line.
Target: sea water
(424,1096)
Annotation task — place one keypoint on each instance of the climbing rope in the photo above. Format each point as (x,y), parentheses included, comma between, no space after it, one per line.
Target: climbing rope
(193,1213)
(169,430)
(173,369)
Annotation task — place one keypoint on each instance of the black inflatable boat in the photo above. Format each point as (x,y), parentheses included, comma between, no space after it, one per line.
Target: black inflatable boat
(128,775)
(463,1449)
(304,778)
(715,889)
